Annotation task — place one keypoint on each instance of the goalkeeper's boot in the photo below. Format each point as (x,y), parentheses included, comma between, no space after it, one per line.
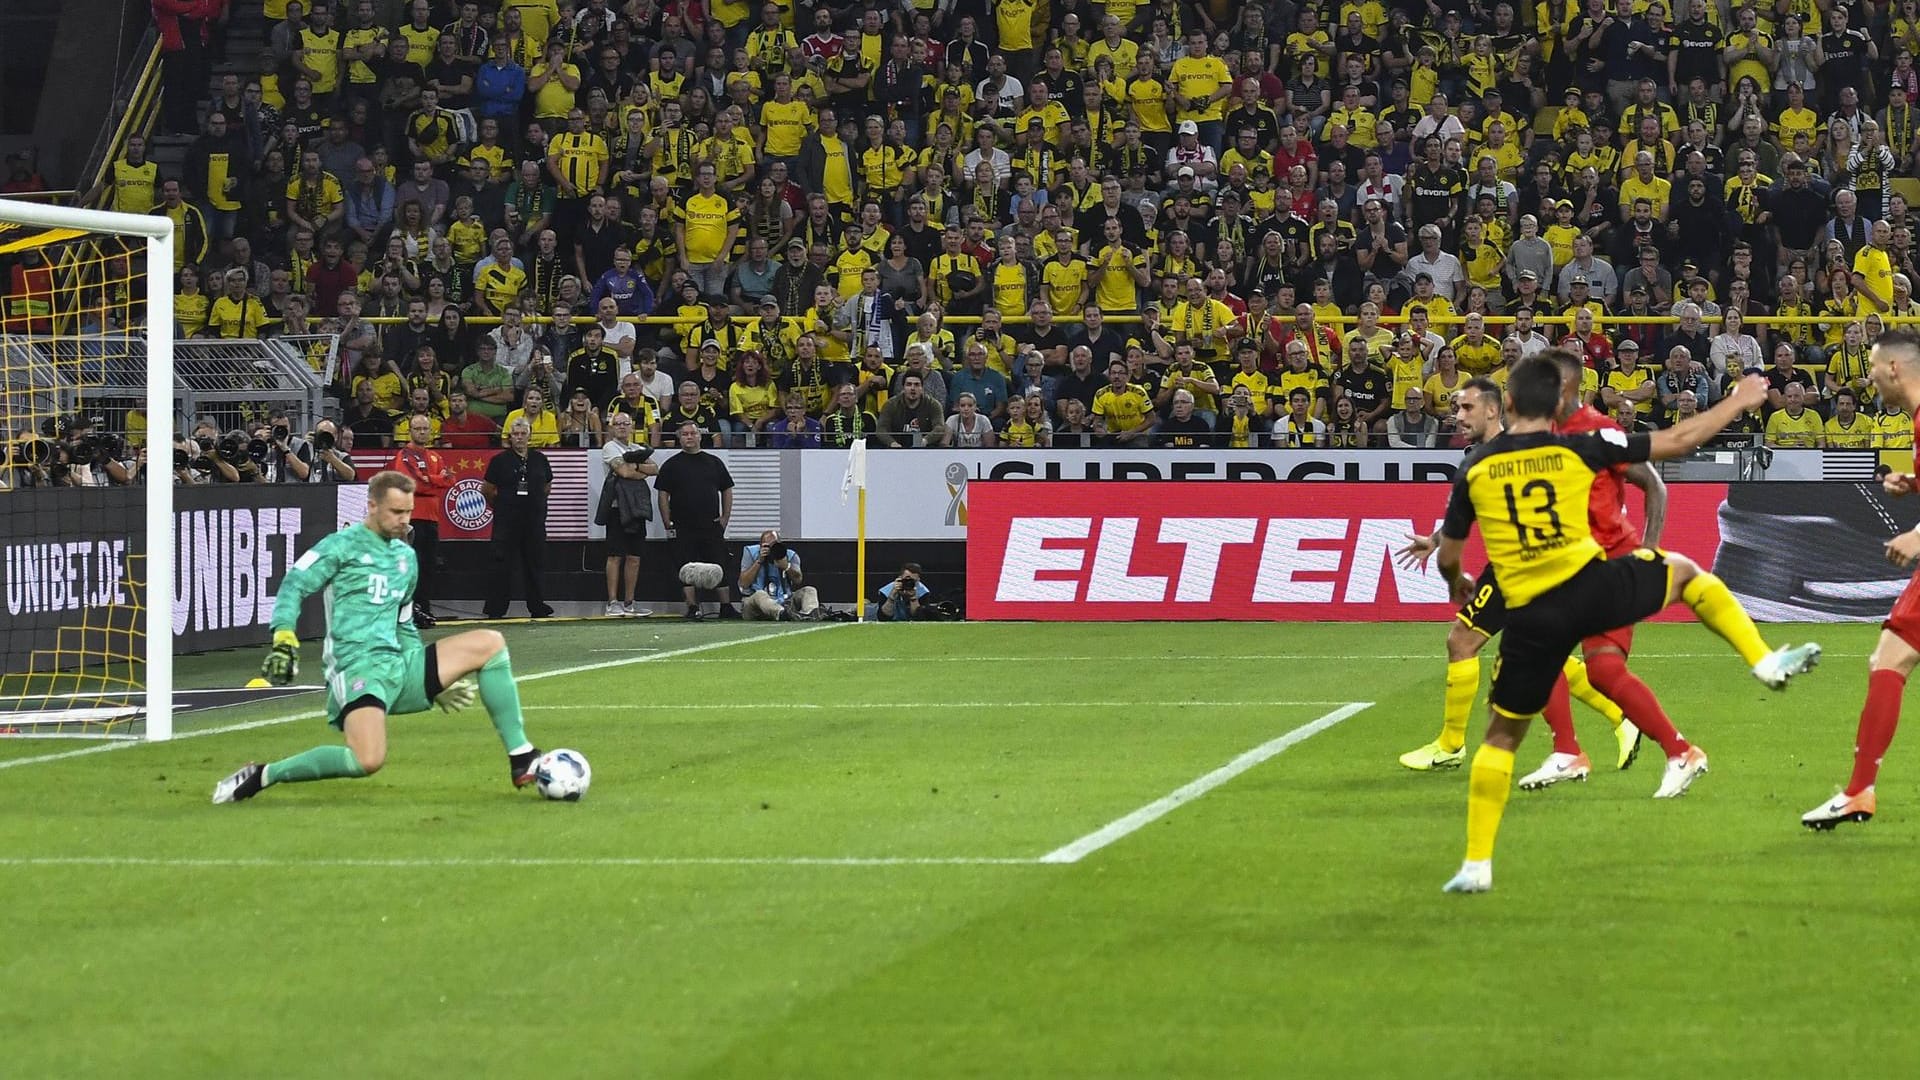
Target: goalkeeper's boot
(1433,757)
(1681,772)
(1473,877)
(1842,807)
(243,784)
(1783,663)
(1557,769)
(521,766)
(1629,738)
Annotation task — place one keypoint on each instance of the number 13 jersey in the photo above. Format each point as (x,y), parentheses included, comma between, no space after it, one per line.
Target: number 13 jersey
(1529,493)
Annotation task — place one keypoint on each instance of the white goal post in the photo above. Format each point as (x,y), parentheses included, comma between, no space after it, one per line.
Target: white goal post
(157,230)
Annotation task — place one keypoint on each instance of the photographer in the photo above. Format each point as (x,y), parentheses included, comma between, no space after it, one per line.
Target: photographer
(288,460)
(626,505)
(93,460)
(196,459)
(770,581)
(330,462)
(902,598)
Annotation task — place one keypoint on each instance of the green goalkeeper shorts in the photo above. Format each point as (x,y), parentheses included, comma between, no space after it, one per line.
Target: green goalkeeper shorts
(398,683)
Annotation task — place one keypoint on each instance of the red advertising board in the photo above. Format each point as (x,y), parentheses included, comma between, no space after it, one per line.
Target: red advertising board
(1310,551)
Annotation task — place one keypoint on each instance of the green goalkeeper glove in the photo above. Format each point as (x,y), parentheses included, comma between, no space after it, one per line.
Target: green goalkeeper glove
(283,660)
(459,695)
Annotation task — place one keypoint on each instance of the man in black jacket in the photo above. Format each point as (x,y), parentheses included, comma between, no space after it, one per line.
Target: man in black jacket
(516,485)
(1799,211)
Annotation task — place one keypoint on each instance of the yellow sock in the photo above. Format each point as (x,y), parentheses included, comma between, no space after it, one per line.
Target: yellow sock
(1463,685)
(1582,689)
(1487,787)
(1709,598)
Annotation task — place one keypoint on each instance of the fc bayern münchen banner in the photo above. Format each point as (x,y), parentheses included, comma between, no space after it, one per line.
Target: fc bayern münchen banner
(464,510)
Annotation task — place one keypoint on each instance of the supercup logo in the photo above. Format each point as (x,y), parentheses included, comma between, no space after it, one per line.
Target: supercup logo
(466,507)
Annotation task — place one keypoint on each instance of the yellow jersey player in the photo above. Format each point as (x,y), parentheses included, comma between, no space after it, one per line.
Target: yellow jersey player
(1527,490)
(1477,412)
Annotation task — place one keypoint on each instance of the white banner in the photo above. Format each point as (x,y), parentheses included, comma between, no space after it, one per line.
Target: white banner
(922,494)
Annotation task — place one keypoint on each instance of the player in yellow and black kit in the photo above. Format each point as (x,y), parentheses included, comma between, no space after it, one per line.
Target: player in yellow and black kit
(1528,489)
(1477,413)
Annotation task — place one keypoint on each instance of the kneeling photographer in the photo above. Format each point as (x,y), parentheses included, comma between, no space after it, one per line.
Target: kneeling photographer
(770,581)
(905,597)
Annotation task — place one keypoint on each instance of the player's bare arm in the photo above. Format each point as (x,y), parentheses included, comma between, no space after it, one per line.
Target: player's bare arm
(1654,489)
(1691,434)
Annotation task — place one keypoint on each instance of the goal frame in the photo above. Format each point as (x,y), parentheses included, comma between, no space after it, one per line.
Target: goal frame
(158,232)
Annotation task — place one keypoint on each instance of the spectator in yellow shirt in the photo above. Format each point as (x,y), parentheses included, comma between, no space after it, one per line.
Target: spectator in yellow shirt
(1796,426)
(1849,428)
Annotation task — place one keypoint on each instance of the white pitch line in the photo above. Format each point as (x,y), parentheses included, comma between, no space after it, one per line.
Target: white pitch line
(1351,658)
(781,706)
(118,861)
(1159,808)
(289,718)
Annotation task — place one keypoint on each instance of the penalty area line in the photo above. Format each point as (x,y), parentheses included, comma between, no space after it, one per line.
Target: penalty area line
(1121,828)
(786,706)
(314,714)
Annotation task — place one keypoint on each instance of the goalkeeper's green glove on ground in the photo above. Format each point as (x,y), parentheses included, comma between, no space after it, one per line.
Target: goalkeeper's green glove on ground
(283,660)
(459,695)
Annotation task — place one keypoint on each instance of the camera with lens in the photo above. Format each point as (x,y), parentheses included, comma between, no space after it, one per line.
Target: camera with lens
(231,449)
(323,440)
(281,433)
(259,450)
(109,447)
(776,551)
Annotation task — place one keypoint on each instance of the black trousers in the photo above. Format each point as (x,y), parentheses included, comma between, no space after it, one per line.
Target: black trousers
(426,549)
(519,541)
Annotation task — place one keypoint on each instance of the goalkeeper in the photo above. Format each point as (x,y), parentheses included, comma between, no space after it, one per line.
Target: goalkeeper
(376,665)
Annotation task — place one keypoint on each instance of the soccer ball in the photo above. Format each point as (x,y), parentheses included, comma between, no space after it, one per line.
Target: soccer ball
(563,775)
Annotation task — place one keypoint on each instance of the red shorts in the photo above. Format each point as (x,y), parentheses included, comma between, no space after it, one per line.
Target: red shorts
(1622,637)
(1904,619)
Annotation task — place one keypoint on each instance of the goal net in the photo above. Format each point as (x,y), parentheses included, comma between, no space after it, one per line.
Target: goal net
(86,393)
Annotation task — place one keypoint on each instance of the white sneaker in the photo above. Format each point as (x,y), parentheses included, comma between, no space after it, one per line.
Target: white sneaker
(1473,877)
(615,609)
(1783,663)
(1681,773)
(1558,768)
(1842,807)
(635,611)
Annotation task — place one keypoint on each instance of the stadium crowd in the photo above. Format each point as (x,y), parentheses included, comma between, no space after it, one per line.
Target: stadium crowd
(1044,222)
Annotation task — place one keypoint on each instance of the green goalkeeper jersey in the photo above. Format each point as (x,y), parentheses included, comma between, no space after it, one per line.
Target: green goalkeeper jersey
(367,582)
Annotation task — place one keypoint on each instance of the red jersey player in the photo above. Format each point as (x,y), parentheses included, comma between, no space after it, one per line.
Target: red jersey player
(1606,654)
(1895,371)
(432,477)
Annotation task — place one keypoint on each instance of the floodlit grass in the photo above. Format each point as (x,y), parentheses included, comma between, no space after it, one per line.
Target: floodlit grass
(1287,922)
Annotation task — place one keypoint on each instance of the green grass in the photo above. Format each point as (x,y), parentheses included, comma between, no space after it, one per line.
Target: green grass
(1287,923)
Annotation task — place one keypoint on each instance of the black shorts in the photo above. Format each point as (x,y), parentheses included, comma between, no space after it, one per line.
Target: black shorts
(704,547)
(1605,595)
(622,542)
(1485,613)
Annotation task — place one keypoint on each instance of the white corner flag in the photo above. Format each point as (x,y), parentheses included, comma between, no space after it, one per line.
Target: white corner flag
(856,474)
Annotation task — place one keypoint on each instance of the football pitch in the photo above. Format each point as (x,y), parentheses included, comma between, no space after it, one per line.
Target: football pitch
(982,850)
